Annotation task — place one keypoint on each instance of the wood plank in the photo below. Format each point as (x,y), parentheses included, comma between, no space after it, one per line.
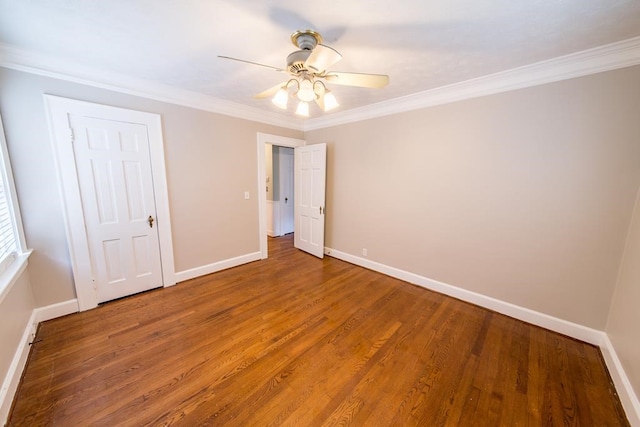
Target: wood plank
(295,340)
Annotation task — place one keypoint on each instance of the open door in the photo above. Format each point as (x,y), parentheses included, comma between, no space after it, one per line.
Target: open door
(311,171)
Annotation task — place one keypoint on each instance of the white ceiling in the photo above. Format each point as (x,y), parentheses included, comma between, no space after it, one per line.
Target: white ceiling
(420,44)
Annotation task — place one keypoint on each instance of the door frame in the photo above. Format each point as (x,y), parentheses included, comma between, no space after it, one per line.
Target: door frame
(58,109)
(282,141)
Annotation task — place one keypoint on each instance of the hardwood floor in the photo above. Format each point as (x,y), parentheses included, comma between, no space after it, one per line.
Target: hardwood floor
(294,340)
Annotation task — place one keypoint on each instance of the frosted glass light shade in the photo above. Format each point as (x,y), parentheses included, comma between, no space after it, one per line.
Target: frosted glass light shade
(305,93)
(280,98)
(303,109)
(330,101)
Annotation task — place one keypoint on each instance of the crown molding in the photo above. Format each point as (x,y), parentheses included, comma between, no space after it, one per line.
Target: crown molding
(604,58)
(621,54)
(49,66)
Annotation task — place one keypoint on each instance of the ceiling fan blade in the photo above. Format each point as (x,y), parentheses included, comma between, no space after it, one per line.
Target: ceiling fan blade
(252,63)
(322,57)
(375,81)
(270,92)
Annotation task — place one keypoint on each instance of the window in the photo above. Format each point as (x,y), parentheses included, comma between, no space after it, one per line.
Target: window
(12,244)
(7,230)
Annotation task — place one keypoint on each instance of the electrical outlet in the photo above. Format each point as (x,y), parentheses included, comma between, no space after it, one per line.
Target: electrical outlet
(364,251)
(246,195)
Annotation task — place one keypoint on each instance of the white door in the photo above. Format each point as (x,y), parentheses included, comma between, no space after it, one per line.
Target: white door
(116,189)
(287,199)
(311,170)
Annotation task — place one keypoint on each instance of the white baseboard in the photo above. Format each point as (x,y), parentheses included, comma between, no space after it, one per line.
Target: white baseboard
(565,327)
(52,311)
(592,336)
(12,379)
(625,391)
(181,276)
(628,397)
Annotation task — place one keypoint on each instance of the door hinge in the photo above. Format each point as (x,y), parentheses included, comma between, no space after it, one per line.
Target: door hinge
(71,136)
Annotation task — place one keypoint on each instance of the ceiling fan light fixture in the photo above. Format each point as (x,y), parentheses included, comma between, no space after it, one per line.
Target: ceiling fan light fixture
(303,109)
(305,91)
(309,72)
(281,97)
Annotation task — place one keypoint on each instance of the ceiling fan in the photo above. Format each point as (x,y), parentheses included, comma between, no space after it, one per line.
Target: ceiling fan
(308,68)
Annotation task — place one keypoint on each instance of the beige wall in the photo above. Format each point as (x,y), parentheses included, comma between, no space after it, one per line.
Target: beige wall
(624,315)
(524,196)
(211,160)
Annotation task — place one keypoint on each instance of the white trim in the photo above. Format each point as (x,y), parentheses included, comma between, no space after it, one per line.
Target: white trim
(621,54)
(10,276)
(161,193)
(623,386)
(192,273)
(19,361)
(628,397)
(14,374)
(565,327)
(283,141)
(48,312)
(604,58)
(58,109)
(273,218)
(15,261)
(11,194)
(45,65)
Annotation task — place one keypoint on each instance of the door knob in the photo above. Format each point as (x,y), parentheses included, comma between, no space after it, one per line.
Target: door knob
(150,220)
(286,199)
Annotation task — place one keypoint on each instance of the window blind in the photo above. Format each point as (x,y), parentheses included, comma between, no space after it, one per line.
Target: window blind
(9,243)
(7,229)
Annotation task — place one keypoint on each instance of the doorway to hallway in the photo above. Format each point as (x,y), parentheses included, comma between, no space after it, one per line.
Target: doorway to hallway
(309,187)
(267,188)
(279,167)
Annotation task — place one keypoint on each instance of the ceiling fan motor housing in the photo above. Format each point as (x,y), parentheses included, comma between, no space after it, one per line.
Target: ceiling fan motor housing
(306,41)
(296,60)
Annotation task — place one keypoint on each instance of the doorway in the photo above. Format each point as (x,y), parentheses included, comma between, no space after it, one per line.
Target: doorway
(111,172)
(277,141)
(279,168)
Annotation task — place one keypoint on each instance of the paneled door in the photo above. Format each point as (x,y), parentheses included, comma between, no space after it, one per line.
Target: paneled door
(311,170)
(116,189)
